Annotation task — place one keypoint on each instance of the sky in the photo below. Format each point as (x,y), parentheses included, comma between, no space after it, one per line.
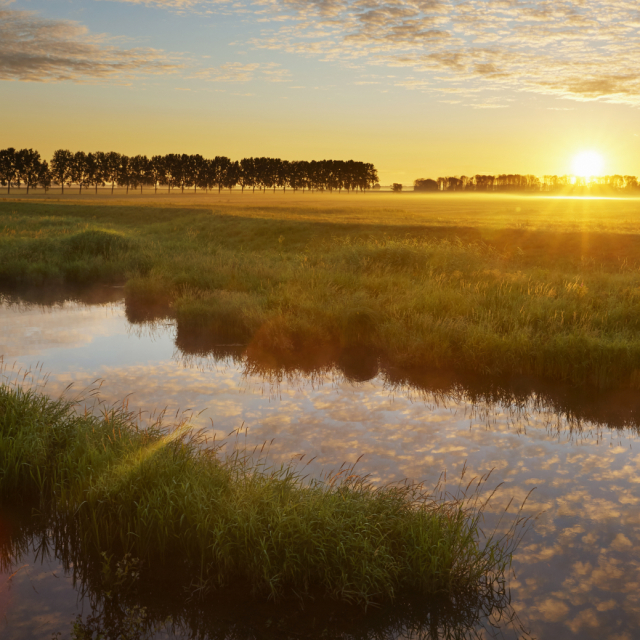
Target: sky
(421,88)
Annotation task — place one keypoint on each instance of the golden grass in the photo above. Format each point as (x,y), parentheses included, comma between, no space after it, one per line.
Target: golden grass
(493,284)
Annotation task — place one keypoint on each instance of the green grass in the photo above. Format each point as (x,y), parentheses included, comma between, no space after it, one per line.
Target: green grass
(166,498)
(495,285)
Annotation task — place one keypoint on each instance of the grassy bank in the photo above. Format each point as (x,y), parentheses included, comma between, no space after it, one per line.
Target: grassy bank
(164,498)
(505,285)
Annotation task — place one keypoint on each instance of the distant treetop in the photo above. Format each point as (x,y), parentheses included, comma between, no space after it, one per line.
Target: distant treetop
(180,171)
(425,184)
(531,183)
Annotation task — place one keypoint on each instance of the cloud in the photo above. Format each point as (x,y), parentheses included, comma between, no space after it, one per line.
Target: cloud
(169,4)
(241,72)
(566,48)
(572,49)
(193,6)
(39,50)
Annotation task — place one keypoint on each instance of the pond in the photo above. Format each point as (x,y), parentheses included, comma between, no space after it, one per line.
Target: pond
(576,574)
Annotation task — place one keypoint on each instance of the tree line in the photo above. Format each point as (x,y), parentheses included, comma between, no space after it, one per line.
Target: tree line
(179,171)
(528,182)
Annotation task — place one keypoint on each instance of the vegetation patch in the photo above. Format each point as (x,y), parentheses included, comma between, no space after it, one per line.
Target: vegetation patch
(552,291)
(95,242)
(165,496)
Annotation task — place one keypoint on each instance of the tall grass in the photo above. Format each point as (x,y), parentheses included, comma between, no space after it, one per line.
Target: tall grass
(487,297)
(166,496)
(124,600)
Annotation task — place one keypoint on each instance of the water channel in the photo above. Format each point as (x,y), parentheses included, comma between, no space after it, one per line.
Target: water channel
(575,575)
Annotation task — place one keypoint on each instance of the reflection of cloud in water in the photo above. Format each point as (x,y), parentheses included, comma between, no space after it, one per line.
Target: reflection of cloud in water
(31,329)
(23,614)
(578,570)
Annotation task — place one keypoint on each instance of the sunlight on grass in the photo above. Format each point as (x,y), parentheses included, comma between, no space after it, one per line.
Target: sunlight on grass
(505,285)
(167,496)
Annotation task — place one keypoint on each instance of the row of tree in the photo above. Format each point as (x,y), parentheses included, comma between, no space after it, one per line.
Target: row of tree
(518,182)
(179,171)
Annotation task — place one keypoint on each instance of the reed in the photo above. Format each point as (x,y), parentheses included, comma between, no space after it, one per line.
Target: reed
(167,497)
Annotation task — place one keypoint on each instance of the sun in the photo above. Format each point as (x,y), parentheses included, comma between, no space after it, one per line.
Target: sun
(587,164)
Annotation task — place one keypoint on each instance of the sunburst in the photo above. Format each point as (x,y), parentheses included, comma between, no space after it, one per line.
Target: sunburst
(587,164)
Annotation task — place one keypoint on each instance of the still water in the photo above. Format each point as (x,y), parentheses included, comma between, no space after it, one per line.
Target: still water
(575,575)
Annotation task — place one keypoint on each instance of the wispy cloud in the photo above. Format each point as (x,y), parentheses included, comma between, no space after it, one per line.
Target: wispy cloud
(171,4)
(577,49)
(241,72)
(193,6)
(567,48)
(35,49)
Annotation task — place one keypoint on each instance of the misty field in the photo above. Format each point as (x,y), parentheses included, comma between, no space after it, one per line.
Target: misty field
(494,284)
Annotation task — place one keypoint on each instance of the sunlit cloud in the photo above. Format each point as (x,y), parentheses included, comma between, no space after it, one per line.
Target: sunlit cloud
(171,4)
(40,50)
(569,48)
(240,72)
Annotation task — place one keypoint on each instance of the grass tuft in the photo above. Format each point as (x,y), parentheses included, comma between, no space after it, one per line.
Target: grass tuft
(92,242)
(167,496)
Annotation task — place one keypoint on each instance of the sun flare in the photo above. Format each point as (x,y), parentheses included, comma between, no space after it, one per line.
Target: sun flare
(588,163)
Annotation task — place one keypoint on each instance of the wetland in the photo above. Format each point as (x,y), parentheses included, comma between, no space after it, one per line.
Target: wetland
(573,573)
(421,344)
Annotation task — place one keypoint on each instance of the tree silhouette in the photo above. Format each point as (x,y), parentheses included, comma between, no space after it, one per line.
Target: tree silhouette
(232,175)
(283,173)
(102,169)
(248,174)
(138,171)
(81,170)
(171,171)
(220,167)
(157,172)
(28,165)
(123,173)
(425,184)
(184,175)
(186,171)
(198,172)
(112,168)
(62,167)
(94,170)
(8,167)
(370,177)
(44,176)
(296,175)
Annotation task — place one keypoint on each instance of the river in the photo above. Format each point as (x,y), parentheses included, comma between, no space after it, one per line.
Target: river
(576,573)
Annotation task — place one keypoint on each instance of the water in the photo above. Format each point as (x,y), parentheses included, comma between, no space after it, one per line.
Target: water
(576,574)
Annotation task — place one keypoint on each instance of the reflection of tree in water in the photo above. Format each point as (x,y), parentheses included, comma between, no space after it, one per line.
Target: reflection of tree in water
(124,601)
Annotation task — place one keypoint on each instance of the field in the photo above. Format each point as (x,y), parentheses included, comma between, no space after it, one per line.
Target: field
(493,284)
